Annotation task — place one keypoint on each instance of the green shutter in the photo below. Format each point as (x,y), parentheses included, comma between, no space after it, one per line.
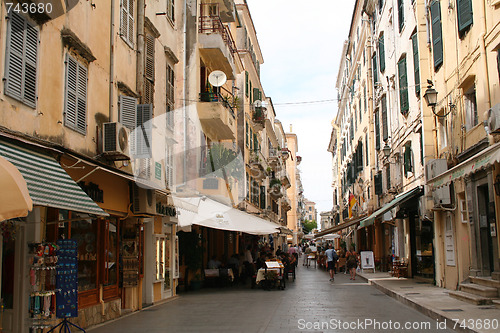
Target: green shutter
(246,84)
(385,127)
(262,197)
(255,143)
(377,131)
(381,53)
(403,86)
(416,63)
(388,176)
(437,34)
(464,10)
(407,160)
(246,132)
(378,183)
(375,71)
(401,14)
(255,94)
(250,91)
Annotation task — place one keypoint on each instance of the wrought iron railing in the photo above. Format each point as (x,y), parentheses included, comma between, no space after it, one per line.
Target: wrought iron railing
(217,97)
(213,24)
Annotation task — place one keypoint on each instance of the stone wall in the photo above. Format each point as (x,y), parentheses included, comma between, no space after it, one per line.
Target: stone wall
(94,315)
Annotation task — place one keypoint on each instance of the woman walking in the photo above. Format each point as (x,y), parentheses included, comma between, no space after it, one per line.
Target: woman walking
(352,262)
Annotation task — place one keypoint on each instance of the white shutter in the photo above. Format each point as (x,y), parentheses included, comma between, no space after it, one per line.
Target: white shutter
(143,132)
(130,14)
(127,111)
(127,21)
(21,60)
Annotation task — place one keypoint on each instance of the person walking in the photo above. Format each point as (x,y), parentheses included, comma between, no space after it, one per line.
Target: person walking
(352,263)
(307,251)
(331,258)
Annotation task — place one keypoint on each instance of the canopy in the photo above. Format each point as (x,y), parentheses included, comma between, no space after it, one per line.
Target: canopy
(213,214)
(329,237)
(48,184)
(341,226)
(15,200)
(398,200)
(477,162)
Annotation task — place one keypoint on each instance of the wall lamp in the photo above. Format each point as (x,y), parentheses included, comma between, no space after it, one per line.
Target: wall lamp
(430,97)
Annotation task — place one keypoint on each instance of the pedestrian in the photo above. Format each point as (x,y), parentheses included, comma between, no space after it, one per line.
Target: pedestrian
(352,262)
(331,259)
(307,251)
(278,251)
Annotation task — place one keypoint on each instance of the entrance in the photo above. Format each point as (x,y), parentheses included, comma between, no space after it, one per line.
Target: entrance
(484,236)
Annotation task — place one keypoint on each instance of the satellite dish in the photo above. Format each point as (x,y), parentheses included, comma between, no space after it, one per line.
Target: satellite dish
(257,104)
(217,78)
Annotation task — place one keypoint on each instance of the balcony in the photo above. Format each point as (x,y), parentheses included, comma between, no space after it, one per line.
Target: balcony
(285,179)
(217,116)
(257,165)
(216,44)
(259,118)
(275,189)
(286,204)
(274,158)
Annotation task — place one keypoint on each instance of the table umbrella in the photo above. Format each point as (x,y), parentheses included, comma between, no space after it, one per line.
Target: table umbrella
(15,200)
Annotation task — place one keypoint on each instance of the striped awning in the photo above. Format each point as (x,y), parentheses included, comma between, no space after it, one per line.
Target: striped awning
(48,184)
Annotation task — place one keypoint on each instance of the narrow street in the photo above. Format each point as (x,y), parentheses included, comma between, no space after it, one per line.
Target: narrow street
(310,300)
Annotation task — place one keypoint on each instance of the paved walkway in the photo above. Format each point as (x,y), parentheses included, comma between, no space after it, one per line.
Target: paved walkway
(435,302)
(310,304)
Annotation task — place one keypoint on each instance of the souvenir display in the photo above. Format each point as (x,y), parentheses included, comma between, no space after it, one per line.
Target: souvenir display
(67,279)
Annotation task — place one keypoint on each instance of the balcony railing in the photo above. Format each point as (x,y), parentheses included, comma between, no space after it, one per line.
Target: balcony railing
(217,97)
(213,24)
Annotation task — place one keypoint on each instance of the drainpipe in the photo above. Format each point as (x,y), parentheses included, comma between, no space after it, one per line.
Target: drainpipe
(484,55)
(140,49)
(184,101)
(111,59)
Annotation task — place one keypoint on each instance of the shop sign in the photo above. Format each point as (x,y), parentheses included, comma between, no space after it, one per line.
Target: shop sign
(165,210)
(93,191)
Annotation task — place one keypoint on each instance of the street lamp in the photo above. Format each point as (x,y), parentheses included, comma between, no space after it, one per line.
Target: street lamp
(431,96)
(387,150)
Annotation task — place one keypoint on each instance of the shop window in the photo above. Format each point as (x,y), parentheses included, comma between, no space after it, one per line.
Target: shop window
(111,253)
(85,233)
(162,259)
(471,116)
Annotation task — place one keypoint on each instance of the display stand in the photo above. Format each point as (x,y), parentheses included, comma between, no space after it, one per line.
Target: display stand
(67,285)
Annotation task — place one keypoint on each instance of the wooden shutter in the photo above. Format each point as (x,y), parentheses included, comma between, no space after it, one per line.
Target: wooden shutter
(375,71)
(143,132)
(401,14)
(437,39)
(385,124)
(377,131)
(21,62)
(403,86)
(381,53)
(127,111)
(464,10)
(416,63)
(75,108)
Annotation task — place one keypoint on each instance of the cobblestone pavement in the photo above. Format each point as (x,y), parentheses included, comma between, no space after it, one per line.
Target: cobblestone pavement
(309,304)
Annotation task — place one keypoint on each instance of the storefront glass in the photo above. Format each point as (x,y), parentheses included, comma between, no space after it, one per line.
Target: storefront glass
(84,232)
(425,256)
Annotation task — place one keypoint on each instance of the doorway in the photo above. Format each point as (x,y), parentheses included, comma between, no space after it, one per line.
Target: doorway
(485,241)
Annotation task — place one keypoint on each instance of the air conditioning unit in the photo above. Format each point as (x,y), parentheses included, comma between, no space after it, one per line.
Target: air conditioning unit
(144,200)
(115,138)
(441,195)
(493,118)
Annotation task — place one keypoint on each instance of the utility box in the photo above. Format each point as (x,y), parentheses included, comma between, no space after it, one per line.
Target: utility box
(441,196)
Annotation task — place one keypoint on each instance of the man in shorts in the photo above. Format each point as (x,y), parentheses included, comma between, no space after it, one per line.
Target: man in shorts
(331,258)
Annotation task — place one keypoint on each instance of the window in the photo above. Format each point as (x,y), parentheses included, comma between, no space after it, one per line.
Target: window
(162,260)
(437,34)
(403,86)
(416,63)
(366,148)
(171,10)
(401,14)
(111,253)
(247,140)
(246,84)
(377,131)
(464,10)
(170,97)
(248,186)
(365,99)
(378,183)
(127,109)
(463,208)
(374,70)
(388,176)
(498,63)
(385,123)
(143,135)
(21,60)
(381,53)
(75,101)
(471,117)
(408,159)
(127,21)
(149,69)
(254,193)
(443,136)
(262,197)
(380,5)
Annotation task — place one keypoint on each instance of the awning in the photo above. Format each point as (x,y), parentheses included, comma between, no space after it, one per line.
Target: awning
(213,214)
(48,184)
(398,200)
(340,226)
(477,162)
(285,230)
(15,200)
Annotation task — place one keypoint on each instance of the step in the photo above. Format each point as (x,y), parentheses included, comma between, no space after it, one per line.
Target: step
(496,302)
(485,281)
(479,290)
(495,276)
(470,298)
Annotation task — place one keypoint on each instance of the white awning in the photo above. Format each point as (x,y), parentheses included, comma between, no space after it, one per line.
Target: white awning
(213,214)
(477,162)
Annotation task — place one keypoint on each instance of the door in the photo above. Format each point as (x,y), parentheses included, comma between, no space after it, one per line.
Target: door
(484,236)
(7,295)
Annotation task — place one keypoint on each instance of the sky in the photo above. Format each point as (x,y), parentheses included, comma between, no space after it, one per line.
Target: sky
(301,42)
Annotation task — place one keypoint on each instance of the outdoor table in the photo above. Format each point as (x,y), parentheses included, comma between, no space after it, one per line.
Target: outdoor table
(275,266)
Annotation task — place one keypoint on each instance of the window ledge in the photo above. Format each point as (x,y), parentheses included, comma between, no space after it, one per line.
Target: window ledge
(71,40)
